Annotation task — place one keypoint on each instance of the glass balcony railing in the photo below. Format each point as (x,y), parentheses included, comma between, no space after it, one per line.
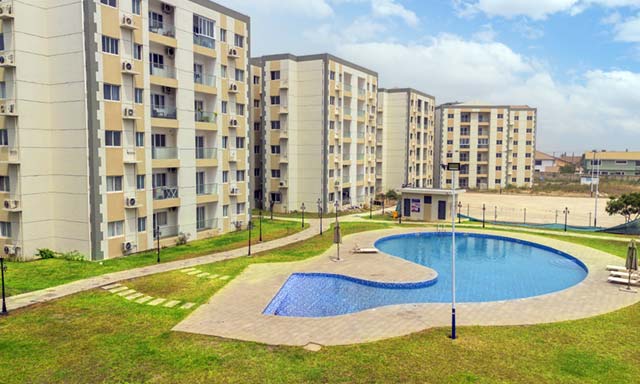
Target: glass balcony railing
(168,231)
(204,79)
(164,153)
(347,111)
(162,29)
(204,41)
(362,91)
(346,179)
(162,70)
(360,177)
(205,117)
(360,156)
(206,189)
(202,225)
(348,88)
(346,133)
(360,135)
(163,112)
(361,113)
(206,153)
(165,192)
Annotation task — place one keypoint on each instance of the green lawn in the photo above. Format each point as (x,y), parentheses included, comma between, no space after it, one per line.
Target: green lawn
(30,276)
(96,337)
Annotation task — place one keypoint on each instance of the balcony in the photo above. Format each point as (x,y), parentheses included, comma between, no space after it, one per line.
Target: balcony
(162,70)
(6,10)
(206,189)
(204,41)
(203,225)
(163,112)
(206,153)
(204,82)
(360,178)
(164,153)
(284,109)
(165,193)
(205,117)
(346,179)
(163,29)
(362,92)
(348,88)
(361,113)
(360,156)
(9,155)
(361,134)
(168,231)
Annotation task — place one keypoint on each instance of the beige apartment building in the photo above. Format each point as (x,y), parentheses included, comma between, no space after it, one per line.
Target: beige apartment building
(120,116)
(495,144)
(405,139)
(318,126)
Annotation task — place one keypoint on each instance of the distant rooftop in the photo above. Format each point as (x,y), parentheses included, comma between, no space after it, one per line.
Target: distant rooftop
(614,155)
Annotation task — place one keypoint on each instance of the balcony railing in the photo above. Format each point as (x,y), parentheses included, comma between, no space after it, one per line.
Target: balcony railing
(346,179)
(204,79)
(202,225)
(346,133)
(164,193)
(361,135)
(360,156)
(204,41)
(162,29)
(361,113)
(163,70)
(205,117)
(362,91)
(164,153)
(206,189)
(168,231)
(206,153)
(163,112)
(360,177)
(347,111)
(348,87)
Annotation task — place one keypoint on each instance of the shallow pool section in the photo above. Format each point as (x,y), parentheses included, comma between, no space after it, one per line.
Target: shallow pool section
(488,268)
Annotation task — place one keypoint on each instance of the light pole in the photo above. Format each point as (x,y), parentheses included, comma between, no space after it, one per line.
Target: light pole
(566,213)
(595,212)
(525,216)
(371,208)
(484,208)
(383,201)
(453,167)
(459,210)
(302,208)
(3,268)
(157,233)
(260,238)
(320,213)
(271,203)
(336,230)
(495,214)
(249,226)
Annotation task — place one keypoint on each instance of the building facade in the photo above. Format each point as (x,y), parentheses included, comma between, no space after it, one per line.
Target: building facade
(406,138)
(605,163)
(494,144)
(317,124)
(120,117)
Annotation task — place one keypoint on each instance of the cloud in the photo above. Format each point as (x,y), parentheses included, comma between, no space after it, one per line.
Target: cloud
(308,8)
(537,10)
(486,33)
(628,30)
(390,8)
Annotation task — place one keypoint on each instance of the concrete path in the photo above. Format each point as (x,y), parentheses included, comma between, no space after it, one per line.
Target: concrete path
(236,310)
(41,296)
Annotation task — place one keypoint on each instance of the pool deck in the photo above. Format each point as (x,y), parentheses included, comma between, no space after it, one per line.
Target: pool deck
(236,311)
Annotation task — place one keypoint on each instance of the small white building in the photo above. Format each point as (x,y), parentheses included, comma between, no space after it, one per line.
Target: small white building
(427,204)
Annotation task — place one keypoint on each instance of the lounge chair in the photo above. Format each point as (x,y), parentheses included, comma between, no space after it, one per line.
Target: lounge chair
(358,249)
(616,268)
(624,274)
(622,280)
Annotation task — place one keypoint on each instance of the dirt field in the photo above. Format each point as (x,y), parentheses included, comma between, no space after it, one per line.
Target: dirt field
(539,209)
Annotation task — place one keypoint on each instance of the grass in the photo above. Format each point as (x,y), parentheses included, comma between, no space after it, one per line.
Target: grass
(31,276)
(96,337)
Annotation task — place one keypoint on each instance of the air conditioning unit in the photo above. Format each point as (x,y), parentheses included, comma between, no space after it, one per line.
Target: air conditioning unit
(283,183)
(131,202)
(167,90)
(167,8)
(129,112)
(171,52)
(234,191)
(128,246)
(233,123)
(6,11)
(233,87)
(127,21)
(233,52)
(10,249)
(336,183)
(127,66)
(11,204)
(7,60)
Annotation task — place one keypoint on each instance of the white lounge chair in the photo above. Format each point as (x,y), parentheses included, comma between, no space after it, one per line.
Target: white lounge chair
(616,268)
(624,274)
(358,249)
(622,280)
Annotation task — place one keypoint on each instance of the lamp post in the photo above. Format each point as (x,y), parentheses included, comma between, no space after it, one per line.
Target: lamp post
(249,226)
(484,208)
(3,269)
(302,208)
(453,167)
(336,234)
(383,202)
(566,213)
(320,213)
(459,210)
(371,208)
(271,203)
(260,238)
(157,233)
(495,214)
(595,211)
(525,216)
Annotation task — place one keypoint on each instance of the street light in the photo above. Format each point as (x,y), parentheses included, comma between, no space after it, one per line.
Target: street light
(302,208)
(459,210)
(336,230)
(319,202)
(260,238)
(383,201)
(484,208)
(566,213)
(3,268)
(249,226)
(371,208)
(157,234)
(453,167)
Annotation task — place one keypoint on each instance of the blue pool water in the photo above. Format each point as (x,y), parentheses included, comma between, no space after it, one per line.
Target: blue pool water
(488,268)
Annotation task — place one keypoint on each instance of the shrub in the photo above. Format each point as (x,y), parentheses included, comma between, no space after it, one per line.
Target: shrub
(71,256)
(46,253)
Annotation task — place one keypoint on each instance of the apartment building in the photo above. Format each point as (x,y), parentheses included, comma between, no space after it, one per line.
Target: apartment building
(495,144)
(406,122)
(619,163)
(318,126)
(119,117)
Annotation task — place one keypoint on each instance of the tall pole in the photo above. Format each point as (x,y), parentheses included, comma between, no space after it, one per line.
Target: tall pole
(320,212)
(453,257)
(495,214)
(250,225)
(158,243)
(302,208)
(484,208)
(260,225)
(4,298)
(566,213)
(337,229)
(370,208)
(595,211)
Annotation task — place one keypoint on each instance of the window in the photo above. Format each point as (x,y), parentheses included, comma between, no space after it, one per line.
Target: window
(225,176)
(111,92)
(529,130)
(113,138)
(1,41)
(450,142)
(427,199)
(332,75)
(515,130)
(109,45)
(201,217)
(239,75)
(332,100)
(498,168)
(449,129)
(528,142)
(275,197)
(500,116)
(203,31)
(498,142)
(223,71)
(240,175)
(497,181)
(135,6)
(621,162)
(256,149)
(238,40)
(515,167)
(516,118)
(111,3)
(500,129)
(240,109)
(275,100)
(515,142)
(256,80)
(240,208)
(498,155)
(139,139)
(225,211)
(256,172)
(530,118)
(4,137)
(4,184)
(115,228)
(527,167)
(225,141)
(513,179)
(450,116)
(114,183)
(275,173)
(5,229)
(142,224)
(256,103)
(137,51)
(223,107)
(139,96)
(449,155)
(140,182)
(527,180)
(256,126)
(275,124)
(275,75)
(239,142)
(223,35)
(160,219)
(527,155)
(275,149)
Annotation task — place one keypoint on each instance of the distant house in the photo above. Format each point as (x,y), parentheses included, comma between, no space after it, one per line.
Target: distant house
(612,163)
(547,163)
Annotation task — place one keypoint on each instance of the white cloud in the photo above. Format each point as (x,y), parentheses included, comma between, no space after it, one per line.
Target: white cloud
(390,8)
(628,30)
(537,10)
(309,8)
(486,33)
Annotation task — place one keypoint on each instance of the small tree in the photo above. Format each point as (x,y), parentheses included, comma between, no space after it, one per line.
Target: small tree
(568,168)
(625,205)
(391,195)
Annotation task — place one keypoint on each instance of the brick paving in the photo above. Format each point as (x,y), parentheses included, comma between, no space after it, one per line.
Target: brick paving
(236,310)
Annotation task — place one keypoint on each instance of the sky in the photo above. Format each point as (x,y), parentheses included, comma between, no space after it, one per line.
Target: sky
(577,61)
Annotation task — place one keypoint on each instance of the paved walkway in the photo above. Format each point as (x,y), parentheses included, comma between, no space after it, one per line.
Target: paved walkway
(41,296)
(236,310)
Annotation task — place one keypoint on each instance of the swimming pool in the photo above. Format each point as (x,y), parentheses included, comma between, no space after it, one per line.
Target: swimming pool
(488,268)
